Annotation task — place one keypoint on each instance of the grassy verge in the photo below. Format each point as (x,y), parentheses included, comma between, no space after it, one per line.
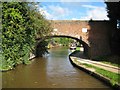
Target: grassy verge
(110,59)
(107,62)
(114,77)
(77,48)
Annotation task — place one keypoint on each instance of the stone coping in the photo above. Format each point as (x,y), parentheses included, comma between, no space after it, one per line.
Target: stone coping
(98,64)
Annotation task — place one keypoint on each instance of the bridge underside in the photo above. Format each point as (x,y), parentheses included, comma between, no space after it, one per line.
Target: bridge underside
(85,46)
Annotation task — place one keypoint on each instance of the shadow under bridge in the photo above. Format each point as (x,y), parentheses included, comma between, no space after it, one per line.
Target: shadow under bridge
(85,45)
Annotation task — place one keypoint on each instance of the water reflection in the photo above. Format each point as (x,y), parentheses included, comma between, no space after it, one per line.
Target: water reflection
(52,71)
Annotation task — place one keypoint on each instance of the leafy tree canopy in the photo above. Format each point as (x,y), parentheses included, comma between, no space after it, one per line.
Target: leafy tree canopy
(113,10)
(21,24)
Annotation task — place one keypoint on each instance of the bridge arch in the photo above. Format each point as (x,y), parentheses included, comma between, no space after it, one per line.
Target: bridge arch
(85,45)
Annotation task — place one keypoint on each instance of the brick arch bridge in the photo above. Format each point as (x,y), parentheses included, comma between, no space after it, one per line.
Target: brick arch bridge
(85,45)
(95,34)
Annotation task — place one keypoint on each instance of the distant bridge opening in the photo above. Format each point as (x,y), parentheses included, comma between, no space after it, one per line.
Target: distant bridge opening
(85,46)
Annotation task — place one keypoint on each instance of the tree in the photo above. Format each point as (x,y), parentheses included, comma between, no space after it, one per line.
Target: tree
(21,23)
(114,15)
(113,10)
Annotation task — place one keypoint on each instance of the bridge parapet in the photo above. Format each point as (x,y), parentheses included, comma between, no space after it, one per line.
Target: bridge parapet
(71,28)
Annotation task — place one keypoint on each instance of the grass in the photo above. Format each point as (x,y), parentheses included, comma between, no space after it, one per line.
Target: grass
(78,48)
(114,77)
(110,59)
(107,62)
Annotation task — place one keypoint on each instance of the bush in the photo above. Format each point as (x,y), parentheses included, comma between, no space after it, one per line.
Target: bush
(19,30)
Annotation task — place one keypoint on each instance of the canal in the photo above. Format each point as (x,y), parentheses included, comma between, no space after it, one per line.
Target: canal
(52,71)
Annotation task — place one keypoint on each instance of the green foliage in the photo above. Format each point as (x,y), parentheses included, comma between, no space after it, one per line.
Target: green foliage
(108,62)
(114,77)
(78,49)
(0,35)
(109,59)
(21,23)
(113,10)
(41,49)
(41,25)
(63,41)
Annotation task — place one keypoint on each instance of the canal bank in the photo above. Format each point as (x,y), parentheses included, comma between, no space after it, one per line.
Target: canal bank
(31,57)
(90,67)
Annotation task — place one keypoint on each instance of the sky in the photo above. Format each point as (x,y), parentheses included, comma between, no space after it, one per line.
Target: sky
(73,9)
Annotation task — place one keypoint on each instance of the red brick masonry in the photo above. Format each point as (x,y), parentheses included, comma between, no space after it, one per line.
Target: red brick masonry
(97,35)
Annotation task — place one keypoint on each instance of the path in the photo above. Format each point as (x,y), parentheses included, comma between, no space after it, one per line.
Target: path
(108,67)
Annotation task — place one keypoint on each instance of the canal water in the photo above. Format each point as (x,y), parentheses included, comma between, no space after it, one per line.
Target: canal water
(52,71)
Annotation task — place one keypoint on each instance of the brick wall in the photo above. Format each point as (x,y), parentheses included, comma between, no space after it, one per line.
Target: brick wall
(97,36)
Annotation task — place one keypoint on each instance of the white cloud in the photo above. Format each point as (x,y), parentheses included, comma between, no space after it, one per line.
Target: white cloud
(89,6)
(95,13)
(75,19)
(54,12)
(37,6)
(57,10)
(44,12)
